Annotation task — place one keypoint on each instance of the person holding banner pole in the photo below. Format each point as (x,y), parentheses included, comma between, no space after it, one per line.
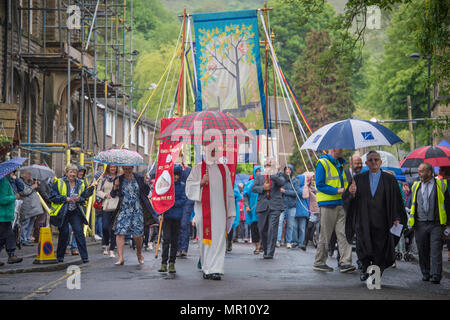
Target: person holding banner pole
(171,225)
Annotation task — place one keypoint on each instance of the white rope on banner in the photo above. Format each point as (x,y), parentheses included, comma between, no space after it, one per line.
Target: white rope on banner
(162,94)
(303,134)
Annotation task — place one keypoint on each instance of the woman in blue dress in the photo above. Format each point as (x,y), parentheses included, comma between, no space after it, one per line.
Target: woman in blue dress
(133,211)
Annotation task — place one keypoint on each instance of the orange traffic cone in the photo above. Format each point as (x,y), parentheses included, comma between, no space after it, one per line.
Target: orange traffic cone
(45,252)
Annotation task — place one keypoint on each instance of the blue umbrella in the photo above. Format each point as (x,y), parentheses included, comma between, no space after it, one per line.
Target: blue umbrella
(241,178)
(444,143)
(350,134)
(9,166)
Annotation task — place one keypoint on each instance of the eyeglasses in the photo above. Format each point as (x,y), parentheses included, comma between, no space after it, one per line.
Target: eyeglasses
(370,160)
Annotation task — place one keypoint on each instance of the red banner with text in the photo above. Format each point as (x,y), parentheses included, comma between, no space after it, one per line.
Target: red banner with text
(163,194)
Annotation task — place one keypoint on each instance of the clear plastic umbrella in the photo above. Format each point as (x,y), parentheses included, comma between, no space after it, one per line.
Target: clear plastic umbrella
(120,157)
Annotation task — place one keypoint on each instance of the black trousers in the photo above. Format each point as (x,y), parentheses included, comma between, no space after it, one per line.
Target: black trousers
(75,220)
(254,232)
(7,238)
(109,238)
(429,244)
(268,230)
(171,230)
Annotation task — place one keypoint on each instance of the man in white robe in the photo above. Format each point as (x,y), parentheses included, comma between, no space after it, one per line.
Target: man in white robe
(212,256)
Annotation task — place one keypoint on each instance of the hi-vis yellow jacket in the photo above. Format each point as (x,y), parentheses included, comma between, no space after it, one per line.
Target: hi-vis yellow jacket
(62,190)
(332,179)
(441,188)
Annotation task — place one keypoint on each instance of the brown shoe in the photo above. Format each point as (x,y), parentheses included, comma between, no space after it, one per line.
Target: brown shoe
(75,252)
(14,259)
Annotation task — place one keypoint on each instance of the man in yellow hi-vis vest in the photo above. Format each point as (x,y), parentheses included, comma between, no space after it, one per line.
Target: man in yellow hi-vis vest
(428,216)
(331,183)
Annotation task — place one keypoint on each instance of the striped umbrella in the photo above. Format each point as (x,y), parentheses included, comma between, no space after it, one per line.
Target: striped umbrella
(437,156)
(204,127)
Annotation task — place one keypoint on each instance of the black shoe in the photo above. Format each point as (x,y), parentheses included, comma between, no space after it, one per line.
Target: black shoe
(85,260)
(215,276)
(303,247)
(266,256)
(435,279)
(426,277)
(363,276)
(346,268)
(61,260)
(206,276)
(324,268)
(2,264)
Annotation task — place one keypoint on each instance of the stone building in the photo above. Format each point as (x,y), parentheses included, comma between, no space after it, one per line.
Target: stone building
(59,61)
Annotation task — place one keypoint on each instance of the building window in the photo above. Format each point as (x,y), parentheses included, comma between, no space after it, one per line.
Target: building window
(125,133)
(145,134)
(109,123)
(141,136)
(133,133)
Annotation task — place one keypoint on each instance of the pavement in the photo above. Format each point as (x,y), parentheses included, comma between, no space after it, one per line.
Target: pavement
(28,253)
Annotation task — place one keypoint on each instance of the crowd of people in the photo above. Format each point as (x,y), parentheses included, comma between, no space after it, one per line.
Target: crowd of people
(334,208)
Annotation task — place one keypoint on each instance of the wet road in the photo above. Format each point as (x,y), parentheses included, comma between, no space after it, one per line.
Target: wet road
(289,276)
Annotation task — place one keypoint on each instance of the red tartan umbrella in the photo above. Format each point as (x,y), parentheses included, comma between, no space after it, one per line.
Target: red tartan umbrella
(437,156)
(204,127)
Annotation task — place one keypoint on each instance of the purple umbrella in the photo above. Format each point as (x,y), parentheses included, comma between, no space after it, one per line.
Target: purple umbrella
(9,166)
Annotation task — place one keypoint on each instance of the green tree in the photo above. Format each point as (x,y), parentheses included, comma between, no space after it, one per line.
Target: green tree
(291,21)
(394,75)
(149,69)
(325,96)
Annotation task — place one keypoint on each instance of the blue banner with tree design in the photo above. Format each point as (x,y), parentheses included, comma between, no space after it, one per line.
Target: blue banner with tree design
(229,76)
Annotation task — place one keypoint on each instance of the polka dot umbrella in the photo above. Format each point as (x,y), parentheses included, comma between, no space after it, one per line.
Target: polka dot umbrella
(9,166)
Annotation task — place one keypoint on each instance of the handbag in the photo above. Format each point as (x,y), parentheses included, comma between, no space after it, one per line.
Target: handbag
(98,203)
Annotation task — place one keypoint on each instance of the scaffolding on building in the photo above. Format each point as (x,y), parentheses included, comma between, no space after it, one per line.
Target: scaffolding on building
(92,42)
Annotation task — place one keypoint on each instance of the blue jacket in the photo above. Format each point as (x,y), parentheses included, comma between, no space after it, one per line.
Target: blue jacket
(56,197)
(320,180)
(176,212)
(189,205)
(237,198)
(291,189)
(251,199)
(17,185)
(302,204)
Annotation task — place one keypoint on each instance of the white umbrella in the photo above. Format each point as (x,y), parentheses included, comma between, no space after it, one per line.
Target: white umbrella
(388,161)
(39,172)
(350,134)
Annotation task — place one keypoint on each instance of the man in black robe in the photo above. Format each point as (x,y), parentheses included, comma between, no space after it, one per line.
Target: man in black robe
(373,203)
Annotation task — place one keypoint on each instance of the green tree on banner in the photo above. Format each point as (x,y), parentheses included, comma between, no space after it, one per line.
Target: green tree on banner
(226,50)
